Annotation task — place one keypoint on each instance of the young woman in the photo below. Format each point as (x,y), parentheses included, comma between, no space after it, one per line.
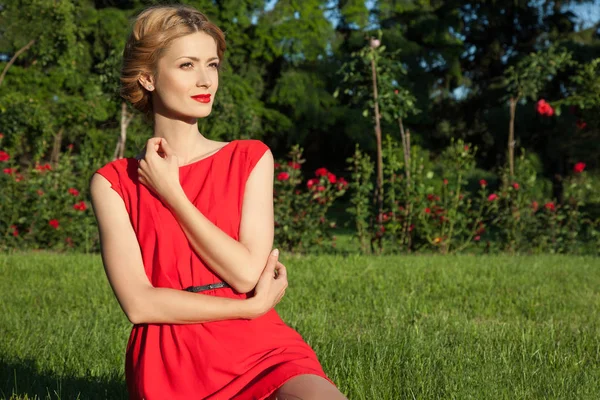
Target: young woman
(186,230)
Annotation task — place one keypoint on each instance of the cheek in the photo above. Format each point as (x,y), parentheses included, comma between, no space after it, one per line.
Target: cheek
(215,80)
(173,87)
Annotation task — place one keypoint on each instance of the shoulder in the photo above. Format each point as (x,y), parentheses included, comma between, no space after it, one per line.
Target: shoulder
(252,145)
(114,172)
(254,151)
(117,165)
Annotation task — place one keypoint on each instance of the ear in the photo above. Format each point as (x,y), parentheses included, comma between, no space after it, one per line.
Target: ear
(147,81)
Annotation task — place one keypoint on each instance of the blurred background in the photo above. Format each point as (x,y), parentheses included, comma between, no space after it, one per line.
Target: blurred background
(299,73)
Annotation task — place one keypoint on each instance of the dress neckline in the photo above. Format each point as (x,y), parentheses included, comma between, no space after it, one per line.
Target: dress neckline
(208,157)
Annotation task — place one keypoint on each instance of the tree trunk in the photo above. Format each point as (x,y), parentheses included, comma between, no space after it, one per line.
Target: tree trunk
(14,58)
(406,150)
(408,205)
(379,189)
(125,121)
(56,147)
(511,137)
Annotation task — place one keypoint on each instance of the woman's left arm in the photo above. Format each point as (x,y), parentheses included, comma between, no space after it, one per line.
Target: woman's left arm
(239,263)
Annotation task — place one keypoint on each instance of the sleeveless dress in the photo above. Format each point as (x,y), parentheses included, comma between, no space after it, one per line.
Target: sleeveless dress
(230,359)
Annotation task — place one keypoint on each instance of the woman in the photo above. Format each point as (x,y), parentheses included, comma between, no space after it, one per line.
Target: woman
(186,230)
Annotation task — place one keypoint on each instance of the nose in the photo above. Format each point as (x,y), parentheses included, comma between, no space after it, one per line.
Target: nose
(203,79)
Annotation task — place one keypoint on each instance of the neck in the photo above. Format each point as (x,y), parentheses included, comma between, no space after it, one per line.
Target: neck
(182,135)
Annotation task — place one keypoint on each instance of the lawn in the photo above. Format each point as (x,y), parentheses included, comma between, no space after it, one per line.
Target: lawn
(406,327)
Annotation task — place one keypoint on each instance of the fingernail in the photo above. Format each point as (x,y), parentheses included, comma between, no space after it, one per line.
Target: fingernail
(275,253)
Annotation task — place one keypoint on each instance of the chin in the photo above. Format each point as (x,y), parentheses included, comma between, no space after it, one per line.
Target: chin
(202,114)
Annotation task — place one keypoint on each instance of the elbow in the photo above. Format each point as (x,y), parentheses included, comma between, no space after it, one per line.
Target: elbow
(136,316)
(137,309)
(245,284)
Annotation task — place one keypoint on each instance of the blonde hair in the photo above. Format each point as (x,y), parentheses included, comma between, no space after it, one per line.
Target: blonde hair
(153,31)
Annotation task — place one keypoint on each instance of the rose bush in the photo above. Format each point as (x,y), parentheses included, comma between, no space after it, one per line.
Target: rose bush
(300,208)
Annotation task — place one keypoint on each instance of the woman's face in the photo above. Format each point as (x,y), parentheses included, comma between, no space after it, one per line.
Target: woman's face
(187,78)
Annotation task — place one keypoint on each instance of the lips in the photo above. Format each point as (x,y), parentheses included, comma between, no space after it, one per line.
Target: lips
(202,98)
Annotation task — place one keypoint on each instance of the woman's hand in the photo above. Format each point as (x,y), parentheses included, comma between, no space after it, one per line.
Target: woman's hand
(271,285)
(159,169)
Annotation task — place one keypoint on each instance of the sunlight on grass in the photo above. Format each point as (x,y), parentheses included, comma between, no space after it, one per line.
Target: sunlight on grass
(384,328)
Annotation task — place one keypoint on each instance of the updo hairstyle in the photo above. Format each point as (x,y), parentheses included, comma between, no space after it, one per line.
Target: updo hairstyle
(153,31)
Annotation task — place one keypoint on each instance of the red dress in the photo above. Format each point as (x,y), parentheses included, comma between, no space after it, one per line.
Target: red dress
(231,359)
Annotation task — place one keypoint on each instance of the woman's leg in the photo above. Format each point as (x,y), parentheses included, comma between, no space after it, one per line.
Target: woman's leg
(307,387)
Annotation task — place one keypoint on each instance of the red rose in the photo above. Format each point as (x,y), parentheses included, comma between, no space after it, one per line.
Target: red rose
(492,197)
(311,183)
(477,238)
(342,183)
(283,176)
(580,124)
(4,156)
(40,192)
(332,178)
(321,172)
(276,165)
(80,206)
(427,210)
(483,182)
(320,188)
(53,223)
(515,186)
(544,108)
(9,171)
(44,167)
(579,167)
(294,165)
(74,191)
(535,205)
(550,206)
(70,147)
(445,181)
(466,147)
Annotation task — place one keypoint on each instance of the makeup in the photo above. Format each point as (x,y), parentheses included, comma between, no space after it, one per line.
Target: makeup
(202,98)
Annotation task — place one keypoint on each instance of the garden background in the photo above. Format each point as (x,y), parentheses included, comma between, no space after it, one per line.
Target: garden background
(422,127)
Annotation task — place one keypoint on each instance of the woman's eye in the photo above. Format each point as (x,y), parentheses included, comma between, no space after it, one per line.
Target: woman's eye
(186,65)
(215,65)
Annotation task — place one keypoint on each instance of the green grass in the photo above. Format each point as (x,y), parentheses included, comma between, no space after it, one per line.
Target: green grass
(426,327)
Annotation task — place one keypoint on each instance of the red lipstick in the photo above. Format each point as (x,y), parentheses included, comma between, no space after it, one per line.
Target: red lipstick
(202,98)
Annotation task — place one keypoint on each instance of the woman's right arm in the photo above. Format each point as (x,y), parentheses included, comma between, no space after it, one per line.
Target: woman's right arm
(143,303)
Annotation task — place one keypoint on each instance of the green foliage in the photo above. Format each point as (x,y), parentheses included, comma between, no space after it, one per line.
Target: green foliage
(301,224)
(45,207)
(395,100)
(530,74)
(361,169)
(440,211)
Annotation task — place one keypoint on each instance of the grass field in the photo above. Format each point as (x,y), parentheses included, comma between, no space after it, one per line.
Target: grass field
(426,327)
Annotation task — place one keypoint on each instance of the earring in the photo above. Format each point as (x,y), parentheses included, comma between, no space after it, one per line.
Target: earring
(150,87)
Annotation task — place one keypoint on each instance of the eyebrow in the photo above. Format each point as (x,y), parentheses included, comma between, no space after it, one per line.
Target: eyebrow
(197,59)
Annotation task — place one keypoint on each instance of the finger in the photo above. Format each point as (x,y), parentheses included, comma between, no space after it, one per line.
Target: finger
(281,272)
(271,263)
(166,148)
(152,146)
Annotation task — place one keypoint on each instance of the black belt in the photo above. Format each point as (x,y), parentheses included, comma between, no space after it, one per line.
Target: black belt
(197,289)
